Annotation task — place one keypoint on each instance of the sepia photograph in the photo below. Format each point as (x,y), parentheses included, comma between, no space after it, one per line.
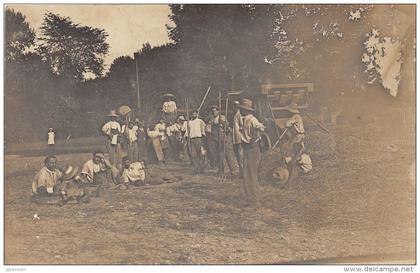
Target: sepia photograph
(209,134)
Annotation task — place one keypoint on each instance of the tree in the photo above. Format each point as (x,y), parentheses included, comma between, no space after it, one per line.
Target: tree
(19,36)
(70,49)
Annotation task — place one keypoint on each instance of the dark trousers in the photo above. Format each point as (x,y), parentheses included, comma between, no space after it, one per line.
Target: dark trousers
(251,161)
(237,149)
(196,156)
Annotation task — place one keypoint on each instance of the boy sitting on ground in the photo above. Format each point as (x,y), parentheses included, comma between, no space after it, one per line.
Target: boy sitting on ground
(98,171)
(46,180)
(131,173)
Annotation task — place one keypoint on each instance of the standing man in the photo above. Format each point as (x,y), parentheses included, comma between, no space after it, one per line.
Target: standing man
(132,146)
(236,136)
(154,135)
(112,129)
(220,143)
(250,138)
(195,132)
(141,141)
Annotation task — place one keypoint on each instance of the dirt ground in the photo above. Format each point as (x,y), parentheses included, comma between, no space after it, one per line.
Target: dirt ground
(359,201)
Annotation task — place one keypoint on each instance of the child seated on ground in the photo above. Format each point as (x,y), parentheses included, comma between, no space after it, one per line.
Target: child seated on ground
(131,173)
(46,180)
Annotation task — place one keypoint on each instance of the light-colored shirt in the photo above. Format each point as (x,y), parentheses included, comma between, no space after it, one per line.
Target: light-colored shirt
(237,126)
(305,163)
(161,128)
(195,128)
(90,168)
(46,178)
(51,136)
(136,172)
(251,130)
(297,122)
(132,135)
(169,107)
(111,126)
(153,133)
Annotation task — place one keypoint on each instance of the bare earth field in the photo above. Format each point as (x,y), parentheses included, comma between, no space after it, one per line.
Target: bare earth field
(357,206)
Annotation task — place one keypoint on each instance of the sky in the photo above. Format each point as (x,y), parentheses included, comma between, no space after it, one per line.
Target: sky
(128,26)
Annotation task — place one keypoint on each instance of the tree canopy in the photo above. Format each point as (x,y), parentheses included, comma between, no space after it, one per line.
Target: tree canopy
(72,50)
(19,36)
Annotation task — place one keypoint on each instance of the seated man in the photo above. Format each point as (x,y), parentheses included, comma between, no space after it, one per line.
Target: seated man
(131,173)
(47,179)
(98,171)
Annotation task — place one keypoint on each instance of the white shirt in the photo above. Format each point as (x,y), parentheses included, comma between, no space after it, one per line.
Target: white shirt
(136,172)
(46,178)
(297,122)
(169,107)
(132,135)
(111,125)
(90,168)
(195,128)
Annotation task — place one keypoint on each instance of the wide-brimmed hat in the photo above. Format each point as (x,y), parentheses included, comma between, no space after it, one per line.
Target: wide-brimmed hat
(214,106)
(181,118)
(293,108)
(112,113)
(168,95)
(246,104)
(124,110)
(281,174)
(69,172)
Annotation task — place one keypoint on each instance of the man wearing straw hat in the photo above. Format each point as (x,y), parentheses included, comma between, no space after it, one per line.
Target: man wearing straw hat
(296,131)
(250,138)
(112,129)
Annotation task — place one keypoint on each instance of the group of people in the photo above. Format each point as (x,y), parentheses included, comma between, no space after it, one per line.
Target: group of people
(97,172)
(232,147)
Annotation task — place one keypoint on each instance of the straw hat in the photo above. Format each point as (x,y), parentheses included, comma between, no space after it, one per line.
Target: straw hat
(124,110)
(281,174)
(246,104)
(293,108)
(182,118)
(69,172)
(112,113)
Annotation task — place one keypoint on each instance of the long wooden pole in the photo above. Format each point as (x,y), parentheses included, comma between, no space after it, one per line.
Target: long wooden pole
(204,98)
(137,82)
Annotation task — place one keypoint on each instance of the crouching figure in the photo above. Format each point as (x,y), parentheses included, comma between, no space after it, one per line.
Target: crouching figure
(72,187)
